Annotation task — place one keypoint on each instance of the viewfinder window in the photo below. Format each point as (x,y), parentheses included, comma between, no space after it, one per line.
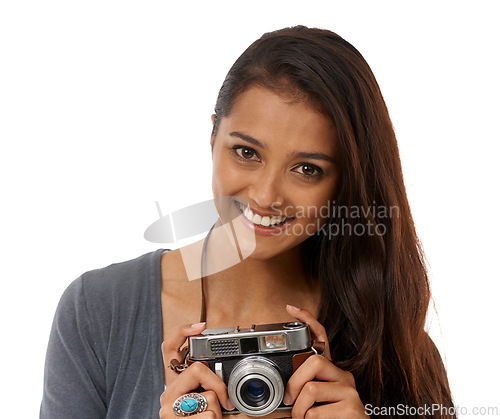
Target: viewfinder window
(249,345)
(273,342)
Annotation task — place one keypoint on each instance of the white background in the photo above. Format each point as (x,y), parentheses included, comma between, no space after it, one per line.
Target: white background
(105,108)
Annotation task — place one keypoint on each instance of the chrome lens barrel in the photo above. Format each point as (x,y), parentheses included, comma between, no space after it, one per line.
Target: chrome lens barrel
(255,386)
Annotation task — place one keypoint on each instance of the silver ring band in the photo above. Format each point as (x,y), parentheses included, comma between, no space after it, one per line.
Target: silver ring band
(190,404)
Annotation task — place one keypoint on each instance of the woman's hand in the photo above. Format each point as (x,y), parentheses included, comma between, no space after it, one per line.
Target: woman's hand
(189,380)
(333,387)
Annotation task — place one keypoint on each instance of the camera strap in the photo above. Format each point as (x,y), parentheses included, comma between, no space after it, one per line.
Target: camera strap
(318,347)
(203,315)
(175,365)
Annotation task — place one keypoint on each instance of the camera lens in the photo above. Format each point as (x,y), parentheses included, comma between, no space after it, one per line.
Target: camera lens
(255,392)
(255,386)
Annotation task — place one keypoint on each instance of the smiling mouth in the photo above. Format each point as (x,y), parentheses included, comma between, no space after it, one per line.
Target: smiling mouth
(266,221)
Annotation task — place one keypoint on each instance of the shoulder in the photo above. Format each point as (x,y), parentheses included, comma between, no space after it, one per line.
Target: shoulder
(120,279)
(103,293)
(104,317)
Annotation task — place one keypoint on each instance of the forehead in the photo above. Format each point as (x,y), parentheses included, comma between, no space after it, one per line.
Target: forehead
(289,121)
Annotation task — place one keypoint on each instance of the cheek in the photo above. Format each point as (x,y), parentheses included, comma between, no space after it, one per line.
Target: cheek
(226,179)
(314,203)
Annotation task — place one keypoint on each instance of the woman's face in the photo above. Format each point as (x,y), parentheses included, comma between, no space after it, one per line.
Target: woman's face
(275,157)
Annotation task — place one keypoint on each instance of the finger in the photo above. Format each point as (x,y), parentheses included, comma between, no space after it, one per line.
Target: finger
(319,368)
(211,397)
(195,376)
(325,411)
(213,404)
(167,412)
(342,409)
(318,392)
(208,414)
(316,328)
(171,346)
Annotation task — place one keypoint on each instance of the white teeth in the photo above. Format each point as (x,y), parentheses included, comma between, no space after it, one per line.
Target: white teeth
(265,221)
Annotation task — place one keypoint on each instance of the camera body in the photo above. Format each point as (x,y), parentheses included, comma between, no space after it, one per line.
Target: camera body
(255,363)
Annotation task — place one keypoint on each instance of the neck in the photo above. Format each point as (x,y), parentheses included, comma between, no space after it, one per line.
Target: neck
(257,291)
(285,268)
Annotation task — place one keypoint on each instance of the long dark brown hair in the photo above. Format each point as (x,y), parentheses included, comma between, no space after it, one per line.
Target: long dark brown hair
(375,288)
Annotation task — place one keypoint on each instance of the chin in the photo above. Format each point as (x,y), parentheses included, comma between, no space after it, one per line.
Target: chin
(263,252)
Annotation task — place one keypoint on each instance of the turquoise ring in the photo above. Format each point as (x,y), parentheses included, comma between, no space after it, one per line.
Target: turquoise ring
(189,404)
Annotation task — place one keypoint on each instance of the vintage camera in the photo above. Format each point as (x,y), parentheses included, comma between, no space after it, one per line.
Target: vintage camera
(255,363)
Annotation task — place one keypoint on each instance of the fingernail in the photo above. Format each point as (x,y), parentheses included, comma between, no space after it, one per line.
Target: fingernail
(293,307)
(287,399)
(230,405)
(198,325)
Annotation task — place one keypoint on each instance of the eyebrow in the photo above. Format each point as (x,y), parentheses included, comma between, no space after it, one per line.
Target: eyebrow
(247,138)
(314,156)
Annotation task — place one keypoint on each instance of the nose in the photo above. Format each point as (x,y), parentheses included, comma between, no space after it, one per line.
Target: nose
(267,189)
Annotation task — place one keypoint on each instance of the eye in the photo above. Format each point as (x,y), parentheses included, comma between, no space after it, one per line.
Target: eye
(308,170)
(245,153)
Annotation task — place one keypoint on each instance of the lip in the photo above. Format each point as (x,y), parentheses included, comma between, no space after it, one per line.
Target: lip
(261,230)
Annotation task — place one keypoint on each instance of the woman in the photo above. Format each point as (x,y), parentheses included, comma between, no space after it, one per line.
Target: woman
(300,126)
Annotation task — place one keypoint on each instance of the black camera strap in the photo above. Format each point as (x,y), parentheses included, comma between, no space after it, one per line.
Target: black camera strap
(175,365)
(203,315)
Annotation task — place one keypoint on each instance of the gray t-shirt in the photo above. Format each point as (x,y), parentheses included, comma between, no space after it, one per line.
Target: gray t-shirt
(104,355)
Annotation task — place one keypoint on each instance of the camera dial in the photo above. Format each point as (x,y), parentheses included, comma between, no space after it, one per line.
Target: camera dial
(293,325)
